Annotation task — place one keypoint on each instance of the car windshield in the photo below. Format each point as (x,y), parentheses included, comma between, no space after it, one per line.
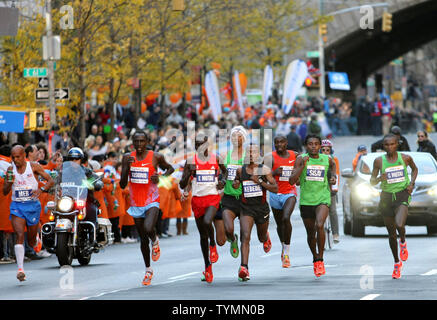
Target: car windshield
(424,161)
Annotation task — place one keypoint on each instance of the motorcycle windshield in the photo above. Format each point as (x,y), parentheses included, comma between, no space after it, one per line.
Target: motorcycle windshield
(74,182)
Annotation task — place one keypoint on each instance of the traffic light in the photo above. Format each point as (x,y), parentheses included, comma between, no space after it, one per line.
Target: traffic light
(323,29)
(308,82)
(32,120)
(311,82)
(386,22)
(178,5)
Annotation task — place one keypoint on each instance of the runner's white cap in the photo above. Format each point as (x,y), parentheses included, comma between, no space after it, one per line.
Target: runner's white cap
(241,130)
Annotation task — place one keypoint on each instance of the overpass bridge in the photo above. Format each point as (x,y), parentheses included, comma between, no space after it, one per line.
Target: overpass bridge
(362,52)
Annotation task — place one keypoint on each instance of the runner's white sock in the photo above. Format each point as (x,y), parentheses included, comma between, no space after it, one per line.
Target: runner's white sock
(286,249)
(149,269)
(19,254)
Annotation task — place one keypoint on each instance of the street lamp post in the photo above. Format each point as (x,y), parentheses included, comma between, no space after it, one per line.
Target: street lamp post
(321,60)
(50,64)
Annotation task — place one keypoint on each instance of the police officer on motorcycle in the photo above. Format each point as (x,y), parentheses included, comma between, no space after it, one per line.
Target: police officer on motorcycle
(92,205)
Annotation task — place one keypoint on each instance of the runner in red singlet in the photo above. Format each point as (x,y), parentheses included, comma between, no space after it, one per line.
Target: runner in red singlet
(283,202)
(202,172)
(140,168)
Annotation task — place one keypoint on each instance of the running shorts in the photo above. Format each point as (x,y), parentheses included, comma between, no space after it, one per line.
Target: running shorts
(259,213)
(231,203)
(389,202)
(29,210)
(140,212)
(200,204)
(278,200)
(309,212)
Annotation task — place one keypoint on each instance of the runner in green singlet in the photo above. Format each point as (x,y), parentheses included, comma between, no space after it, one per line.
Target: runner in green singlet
(395,196)
(230,202)
(311,170)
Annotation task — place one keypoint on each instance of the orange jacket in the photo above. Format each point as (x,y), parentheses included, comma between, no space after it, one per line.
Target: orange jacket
(5,203)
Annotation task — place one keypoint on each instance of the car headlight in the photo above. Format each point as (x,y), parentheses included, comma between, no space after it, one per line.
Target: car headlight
(432,191)
(365,191)
(65,204)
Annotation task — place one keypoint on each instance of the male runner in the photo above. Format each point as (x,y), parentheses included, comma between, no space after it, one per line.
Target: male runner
(25,206)
(255,178)
(141,168)
(333,216)
(395,196)
(283,202)
(231,198)
(311,169)
(203,171)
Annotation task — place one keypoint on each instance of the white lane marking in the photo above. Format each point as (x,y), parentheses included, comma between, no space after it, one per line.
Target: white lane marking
(270,254)
(370,297)
(171,280)
(430,273)
(184,275)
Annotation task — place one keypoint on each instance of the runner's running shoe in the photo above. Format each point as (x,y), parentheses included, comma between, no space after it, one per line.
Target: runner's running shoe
(267,244)
(20,275)
(38,245)
(403,252)
(316,269)
(397,270)
(243,274)
(208,274)
(156,251)
(321,268)
(213,254)
(147,278)
(286,261)
(234,247)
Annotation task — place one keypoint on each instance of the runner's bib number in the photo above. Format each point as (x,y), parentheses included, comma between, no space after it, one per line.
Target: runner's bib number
(315,173)
(232,171)
(139,175)
(205,176)
(395,174)
(286,173)
(23,194)
(251,189)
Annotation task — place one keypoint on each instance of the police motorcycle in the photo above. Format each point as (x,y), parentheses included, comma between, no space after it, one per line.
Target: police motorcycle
(67,234)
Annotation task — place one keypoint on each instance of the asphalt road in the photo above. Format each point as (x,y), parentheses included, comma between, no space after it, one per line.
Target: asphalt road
(356,268)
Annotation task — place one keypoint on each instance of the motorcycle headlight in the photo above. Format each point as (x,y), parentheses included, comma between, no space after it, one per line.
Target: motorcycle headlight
(65,204)
(366,191)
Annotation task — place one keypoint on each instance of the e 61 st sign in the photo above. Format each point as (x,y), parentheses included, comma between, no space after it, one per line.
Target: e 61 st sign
(35,72)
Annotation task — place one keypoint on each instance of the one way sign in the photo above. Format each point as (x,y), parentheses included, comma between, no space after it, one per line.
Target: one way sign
(43,82)
(60,94)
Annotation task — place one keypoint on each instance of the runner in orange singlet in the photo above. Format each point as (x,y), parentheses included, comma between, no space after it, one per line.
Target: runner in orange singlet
(141,169)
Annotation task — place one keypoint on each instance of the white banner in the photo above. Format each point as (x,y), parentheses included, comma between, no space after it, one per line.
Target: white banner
(213,93)
(297,72)
(268,84)
(237,86)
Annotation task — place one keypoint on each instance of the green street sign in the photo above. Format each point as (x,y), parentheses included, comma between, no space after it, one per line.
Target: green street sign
(35,72)
(313,54)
